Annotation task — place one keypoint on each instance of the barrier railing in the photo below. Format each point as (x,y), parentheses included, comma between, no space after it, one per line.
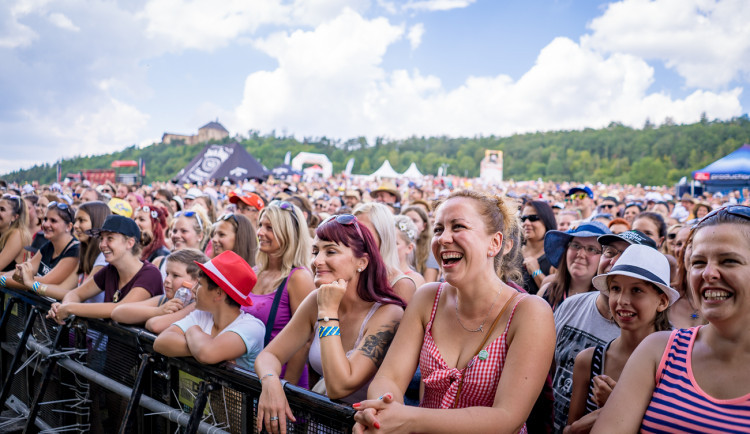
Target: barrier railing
(93,375)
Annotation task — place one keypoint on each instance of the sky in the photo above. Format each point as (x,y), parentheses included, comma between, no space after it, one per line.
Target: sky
(86,77)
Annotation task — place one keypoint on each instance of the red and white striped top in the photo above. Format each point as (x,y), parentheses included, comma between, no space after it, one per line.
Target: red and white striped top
(480,377)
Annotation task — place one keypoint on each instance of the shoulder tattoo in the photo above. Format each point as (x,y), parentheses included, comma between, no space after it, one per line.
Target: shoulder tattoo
(375,346)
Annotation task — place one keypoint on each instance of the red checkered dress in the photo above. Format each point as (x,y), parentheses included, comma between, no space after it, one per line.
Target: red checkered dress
(480,376)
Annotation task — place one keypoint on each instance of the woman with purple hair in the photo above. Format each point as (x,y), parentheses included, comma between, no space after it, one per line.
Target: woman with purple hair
(352,316)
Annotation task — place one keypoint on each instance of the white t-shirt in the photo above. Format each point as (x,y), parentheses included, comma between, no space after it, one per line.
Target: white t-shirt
(248,327)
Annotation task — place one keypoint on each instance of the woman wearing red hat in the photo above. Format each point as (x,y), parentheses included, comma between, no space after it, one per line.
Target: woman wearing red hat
(223,287)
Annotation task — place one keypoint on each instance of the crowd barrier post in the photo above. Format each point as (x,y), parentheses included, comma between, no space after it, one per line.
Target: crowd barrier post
(135,397)
(5,391)
(52,362)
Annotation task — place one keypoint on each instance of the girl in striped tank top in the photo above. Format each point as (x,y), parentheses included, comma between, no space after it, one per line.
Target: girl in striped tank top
(694,380)
(638,296)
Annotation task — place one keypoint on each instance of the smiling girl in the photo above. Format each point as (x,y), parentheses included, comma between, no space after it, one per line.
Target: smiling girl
(14,231)
(639,295)
(235,232)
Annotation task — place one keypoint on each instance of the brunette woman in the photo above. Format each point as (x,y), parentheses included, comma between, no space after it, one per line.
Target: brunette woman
(352,317)
(536,219)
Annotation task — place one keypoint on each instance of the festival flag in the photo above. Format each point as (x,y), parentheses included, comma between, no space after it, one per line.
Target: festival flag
(349,167)
(59,171)
(288,158)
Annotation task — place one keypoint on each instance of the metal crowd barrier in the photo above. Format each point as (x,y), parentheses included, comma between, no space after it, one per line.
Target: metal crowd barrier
(98,376)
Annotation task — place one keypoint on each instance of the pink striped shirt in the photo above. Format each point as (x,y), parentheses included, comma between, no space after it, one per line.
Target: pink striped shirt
(679,405)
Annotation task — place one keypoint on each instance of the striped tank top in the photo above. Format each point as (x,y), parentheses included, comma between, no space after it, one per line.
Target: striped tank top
(678,404)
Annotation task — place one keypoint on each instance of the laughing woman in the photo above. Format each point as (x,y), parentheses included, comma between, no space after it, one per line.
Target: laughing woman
(482,368)
(125,278)
(352,317)
(14,231)
(56,262)
(701,371)
(235,232)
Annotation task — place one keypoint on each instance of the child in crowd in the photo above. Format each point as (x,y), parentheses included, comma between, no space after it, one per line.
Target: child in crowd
(639,295)
(218,330)
(160,311)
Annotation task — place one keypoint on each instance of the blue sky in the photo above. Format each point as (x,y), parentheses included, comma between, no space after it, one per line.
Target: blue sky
(87,77)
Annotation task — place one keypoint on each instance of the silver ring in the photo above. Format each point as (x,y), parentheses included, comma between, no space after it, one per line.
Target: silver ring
(274,418)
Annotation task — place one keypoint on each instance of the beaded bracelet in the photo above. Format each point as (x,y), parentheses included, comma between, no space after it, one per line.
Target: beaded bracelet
(536,273)
(328,331)
(3,281)
(35,286)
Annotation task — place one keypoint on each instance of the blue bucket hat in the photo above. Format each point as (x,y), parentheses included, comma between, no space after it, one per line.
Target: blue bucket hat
(555,242)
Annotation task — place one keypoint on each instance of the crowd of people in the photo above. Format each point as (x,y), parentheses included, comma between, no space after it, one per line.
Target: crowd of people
(432,305)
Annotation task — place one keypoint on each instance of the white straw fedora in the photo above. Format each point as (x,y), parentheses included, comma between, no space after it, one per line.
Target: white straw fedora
(641,262)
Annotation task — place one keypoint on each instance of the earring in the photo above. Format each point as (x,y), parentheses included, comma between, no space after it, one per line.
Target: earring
(359,270)
(490,254)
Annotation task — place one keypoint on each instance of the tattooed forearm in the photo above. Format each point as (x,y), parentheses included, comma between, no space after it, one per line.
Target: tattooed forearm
(376,346)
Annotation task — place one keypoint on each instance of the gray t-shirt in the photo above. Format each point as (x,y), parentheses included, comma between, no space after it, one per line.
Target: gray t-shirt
(578,325)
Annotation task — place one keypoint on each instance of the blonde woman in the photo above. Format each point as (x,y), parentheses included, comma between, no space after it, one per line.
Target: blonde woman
(14,231)
(406,234)
(284,277)
(426,263)
(378,218)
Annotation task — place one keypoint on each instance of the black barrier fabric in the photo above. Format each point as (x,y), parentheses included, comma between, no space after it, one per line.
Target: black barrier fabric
(98,364)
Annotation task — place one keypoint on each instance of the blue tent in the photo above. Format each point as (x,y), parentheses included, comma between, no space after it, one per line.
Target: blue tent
(731,172)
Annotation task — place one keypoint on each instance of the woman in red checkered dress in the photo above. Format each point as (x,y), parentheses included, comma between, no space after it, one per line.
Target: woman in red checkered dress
(484,349)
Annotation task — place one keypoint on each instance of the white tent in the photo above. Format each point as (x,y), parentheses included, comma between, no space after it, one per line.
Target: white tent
(412,172)
(385,171)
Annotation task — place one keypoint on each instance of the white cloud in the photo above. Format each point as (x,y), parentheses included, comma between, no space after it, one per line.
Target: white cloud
(63,22)
(415,35)
(706,41)
(437,5)
(328,85)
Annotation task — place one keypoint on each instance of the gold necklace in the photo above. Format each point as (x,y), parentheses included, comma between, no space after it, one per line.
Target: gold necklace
(481,326)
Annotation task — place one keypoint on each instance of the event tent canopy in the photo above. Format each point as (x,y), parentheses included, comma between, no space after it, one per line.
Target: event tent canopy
(729,172)
(230,161)
(413,172)
(385,171)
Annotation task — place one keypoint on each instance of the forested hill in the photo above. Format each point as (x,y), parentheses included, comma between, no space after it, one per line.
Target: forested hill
(650,156)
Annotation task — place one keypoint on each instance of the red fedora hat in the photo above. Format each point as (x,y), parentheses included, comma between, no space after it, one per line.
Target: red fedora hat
(235,276)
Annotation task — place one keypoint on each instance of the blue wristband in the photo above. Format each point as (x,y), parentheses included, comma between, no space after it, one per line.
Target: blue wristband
(35,286)
(3,281)
(536,273)
(328,331)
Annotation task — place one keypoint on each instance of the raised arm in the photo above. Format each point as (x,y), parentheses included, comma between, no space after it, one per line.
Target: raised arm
(300,286)
(624,410)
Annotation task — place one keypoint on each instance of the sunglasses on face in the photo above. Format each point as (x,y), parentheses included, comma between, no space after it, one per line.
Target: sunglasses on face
(672,236)
(589,250)
(607,205)
(346,220)
(579,196)
(532,218)
(190,214)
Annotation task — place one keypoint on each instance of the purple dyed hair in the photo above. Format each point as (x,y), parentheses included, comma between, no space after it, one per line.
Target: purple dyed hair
(373,283)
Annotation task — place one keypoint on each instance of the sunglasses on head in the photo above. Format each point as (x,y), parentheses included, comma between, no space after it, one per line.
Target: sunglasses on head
(346,220)
(226,217)
(61,206)
(286,206)
(190,214)
(741,211)
(532,218)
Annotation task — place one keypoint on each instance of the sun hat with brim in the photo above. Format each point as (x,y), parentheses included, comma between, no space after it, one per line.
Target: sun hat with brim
(119,225)
(555,242)
(193,193)
(631,237)
(233,274)
(120,207)
(644,263)
(387,187)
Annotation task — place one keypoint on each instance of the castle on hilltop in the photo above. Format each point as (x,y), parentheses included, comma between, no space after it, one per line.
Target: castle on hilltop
(210,131)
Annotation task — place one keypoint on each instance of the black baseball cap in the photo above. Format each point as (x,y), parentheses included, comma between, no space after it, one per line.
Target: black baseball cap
(631,237)
(119,225)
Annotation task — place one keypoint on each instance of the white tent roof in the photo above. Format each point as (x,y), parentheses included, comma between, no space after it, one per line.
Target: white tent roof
(412,171)
(385,171)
